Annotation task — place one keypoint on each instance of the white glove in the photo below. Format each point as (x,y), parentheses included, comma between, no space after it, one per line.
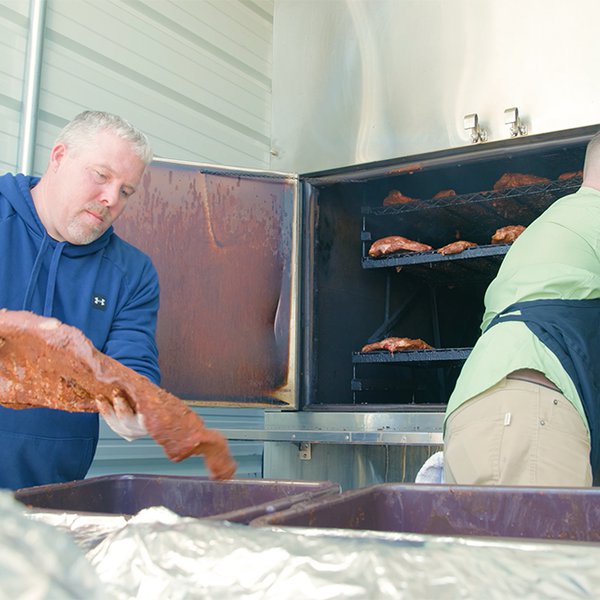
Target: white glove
(432,470)
(122,419)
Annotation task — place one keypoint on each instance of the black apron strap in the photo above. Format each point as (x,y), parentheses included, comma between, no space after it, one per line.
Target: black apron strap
(570,329)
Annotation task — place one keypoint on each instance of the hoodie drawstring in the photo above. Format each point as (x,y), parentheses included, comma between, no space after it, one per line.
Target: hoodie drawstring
(49,300)
(35,272)
(52,274)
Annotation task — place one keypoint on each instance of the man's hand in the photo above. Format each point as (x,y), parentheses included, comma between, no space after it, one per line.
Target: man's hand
(122,419)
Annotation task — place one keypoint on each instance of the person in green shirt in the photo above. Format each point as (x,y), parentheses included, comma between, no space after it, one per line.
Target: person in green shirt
(526,406)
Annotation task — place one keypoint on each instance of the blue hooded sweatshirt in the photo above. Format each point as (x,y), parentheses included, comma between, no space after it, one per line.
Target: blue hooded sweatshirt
(108,289)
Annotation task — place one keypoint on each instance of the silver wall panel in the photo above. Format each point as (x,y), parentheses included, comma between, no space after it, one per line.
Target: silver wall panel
(195,76)
(14,24)
(352,466)
(363,80)
(115,455)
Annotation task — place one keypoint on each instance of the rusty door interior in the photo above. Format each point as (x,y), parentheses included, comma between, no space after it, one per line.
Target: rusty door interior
(224,244)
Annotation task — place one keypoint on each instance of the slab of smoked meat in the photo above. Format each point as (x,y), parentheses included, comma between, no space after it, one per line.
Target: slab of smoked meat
(570,175)
(397,344)
(445,194)
(510,180)
(45,363)
(456,247)
(396,197)
(396,243)
(508,234)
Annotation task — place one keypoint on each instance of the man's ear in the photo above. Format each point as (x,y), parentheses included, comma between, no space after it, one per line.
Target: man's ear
(56,155)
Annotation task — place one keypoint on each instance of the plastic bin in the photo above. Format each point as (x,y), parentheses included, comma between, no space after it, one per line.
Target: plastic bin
(237,500)
(521,512)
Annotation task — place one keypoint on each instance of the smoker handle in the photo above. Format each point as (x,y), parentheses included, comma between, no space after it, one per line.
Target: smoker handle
(400,438)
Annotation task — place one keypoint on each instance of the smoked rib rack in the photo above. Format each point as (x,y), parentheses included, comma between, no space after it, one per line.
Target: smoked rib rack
(473,217)
(440,356)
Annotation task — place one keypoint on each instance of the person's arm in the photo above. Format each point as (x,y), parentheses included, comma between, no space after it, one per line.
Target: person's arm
(132,338)
(132,342)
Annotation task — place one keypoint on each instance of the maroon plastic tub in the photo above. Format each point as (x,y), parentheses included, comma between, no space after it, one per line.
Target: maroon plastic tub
(520,512)
(237,500)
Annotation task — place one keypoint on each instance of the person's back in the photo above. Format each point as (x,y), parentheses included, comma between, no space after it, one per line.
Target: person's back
(555,257)
(552,275)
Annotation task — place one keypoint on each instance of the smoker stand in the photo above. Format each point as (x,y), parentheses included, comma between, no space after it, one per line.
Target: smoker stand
(353,449)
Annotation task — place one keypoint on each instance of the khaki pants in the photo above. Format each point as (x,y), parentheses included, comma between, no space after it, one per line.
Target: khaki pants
(517,433)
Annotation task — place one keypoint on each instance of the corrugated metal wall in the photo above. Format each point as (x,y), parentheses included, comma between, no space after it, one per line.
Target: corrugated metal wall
(115,455)
(195,75)
(14,23)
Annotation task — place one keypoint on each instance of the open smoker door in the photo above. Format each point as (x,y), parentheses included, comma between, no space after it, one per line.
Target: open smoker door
(225,244)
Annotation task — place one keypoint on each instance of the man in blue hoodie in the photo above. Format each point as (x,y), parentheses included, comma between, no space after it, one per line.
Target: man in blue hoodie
(60,257)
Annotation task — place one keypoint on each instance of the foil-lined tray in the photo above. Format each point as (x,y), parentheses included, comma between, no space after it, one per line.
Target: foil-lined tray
(158,554)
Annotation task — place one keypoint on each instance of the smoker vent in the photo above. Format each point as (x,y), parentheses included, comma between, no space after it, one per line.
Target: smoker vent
(473,217)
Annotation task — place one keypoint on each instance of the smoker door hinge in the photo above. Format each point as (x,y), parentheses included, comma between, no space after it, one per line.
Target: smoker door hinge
(304,451)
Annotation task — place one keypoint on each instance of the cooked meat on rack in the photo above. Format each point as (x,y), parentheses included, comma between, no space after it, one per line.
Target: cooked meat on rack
(508,234)
(456,247)
(397,344)
(511,180)
(396,197)
(396,243)
(45,363)
(445,194)
(570,175)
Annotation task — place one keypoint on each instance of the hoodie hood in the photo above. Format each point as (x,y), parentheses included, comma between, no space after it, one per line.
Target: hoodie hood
(17,191)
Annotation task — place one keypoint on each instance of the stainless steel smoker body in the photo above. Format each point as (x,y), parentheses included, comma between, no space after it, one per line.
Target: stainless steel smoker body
(268,294)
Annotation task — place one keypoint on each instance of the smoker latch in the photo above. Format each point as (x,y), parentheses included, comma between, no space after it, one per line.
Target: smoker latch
(517,127)
(477,133)
(304,451)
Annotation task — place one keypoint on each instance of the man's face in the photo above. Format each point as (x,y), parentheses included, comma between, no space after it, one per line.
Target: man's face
(89,187)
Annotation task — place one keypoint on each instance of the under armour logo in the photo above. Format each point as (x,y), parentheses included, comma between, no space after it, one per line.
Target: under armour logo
(99,302)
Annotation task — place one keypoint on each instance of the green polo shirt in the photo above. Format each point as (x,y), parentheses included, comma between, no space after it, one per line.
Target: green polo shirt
(556,257)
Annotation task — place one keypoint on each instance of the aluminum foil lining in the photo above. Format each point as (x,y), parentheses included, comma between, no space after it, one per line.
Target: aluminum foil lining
(157,554)
(38,562)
